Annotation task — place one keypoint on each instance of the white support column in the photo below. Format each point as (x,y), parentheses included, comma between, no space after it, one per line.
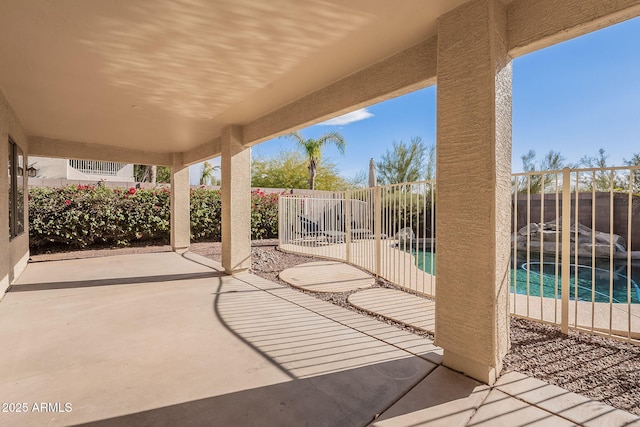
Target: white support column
(180,209)
(236,201)
(474,171)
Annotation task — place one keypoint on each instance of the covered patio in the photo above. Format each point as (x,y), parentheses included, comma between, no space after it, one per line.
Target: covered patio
(165,339)
(176,83)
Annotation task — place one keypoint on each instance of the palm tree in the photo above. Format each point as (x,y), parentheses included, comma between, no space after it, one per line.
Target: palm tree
(313,149)
(153,174)
(206,173)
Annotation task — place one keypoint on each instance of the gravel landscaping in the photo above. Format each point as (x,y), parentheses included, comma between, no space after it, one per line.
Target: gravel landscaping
(600,368)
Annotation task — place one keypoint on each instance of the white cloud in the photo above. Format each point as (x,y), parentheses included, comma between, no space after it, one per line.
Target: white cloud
(354,116)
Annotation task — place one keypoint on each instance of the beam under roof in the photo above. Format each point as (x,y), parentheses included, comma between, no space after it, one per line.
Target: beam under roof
(536,24)
(50,147)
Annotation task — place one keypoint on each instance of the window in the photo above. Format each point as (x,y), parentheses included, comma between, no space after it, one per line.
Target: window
(16,189)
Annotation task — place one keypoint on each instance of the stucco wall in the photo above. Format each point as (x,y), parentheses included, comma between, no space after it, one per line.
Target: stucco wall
(49,168)
(125,174)
(14,253)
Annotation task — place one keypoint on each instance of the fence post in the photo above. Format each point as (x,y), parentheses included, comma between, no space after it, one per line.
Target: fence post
(566,248)
(347,220)
(377,228)
(281,216)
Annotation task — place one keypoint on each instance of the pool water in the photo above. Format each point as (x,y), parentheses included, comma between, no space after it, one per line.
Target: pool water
(543,280)
(426,261)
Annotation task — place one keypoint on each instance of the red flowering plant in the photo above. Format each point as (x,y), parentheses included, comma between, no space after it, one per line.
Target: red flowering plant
(206,214)
(80,216)
(264,215)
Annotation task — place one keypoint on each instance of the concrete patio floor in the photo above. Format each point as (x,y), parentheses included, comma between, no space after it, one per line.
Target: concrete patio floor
(165,339)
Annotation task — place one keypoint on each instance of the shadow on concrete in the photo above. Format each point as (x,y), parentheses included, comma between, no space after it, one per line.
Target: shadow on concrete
(348,398)
(334,374)
(220,292)
(111,282)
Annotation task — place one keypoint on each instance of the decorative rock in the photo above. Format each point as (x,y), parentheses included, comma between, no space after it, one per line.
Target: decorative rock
(543,238)
(405,234)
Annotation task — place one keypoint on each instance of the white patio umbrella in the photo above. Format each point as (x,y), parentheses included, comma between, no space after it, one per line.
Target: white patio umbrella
(373,179)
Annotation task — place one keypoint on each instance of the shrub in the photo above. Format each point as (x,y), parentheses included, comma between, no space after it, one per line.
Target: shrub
(206,214)
(264,215)
(81,216)
(77,217)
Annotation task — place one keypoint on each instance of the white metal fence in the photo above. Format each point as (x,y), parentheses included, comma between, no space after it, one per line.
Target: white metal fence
(94,167)
(388,231)
(580,270)
(576,259)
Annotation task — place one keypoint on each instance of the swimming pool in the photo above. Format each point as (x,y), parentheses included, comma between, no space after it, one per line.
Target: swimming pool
(542,276)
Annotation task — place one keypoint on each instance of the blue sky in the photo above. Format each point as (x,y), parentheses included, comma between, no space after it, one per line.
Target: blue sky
(575,97)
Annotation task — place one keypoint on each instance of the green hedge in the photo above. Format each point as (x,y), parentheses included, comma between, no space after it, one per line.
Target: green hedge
(77,217)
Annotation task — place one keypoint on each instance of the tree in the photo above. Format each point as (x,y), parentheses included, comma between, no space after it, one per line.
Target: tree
(207,176)
(359,180)
(289,170)
(537,183)
(163,174)
(139,172)
(404,163)
(635,161)
(430,169)
(152,173)
(312,149)
(602,180)
(553,160)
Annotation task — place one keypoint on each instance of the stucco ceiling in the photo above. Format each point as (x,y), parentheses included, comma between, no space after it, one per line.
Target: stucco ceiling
(165,75)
